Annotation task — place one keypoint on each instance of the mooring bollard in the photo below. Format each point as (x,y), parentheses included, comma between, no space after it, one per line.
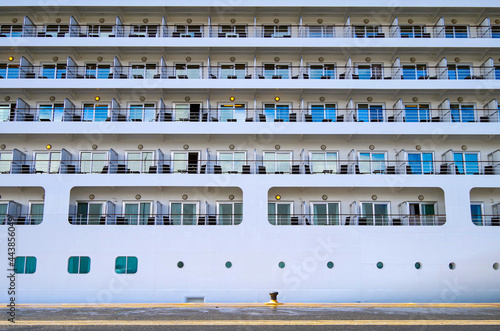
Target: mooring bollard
(274,299)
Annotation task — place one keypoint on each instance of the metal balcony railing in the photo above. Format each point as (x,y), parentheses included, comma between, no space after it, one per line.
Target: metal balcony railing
(234,112)
(264,71)
(156,219)
(21,219)
(249,166)
(356,219)
(278,30)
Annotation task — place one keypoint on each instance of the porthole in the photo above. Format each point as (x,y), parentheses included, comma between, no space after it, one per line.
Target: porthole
(496,266)
(281,265)
(418,265)
(229,264)
(380,265)
(180,264)
(329,265)
(452,266)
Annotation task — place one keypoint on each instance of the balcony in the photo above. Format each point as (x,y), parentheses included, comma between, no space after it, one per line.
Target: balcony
(264,30)
(267,71)
(155,206)
(232,112)
(266,163)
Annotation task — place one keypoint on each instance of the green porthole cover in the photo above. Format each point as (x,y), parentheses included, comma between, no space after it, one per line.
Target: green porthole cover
(329,265)
(380,265)
(281,265)
(180,264)
(451,266)
(228,264)
(418,265)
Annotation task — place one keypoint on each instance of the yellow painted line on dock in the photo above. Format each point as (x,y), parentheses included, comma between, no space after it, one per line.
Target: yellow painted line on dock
(260,305)
(252,322)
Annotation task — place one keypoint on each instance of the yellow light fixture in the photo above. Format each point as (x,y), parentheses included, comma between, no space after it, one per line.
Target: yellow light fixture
(11,58)
(278,197)
(277,99)
(49,146)
(232,98)
(97,98)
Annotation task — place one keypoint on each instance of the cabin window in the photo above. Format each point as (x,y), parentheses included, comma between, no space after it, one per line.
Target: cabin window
(126,265)
(279,213)
(325,213)
(230,213)
(25,265)
(79,265)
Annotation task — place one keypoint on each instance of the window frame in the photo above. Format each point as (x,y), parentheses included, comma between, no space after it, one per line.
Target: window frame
(185,72)
(422,219)
(374,75)
(283,73)
(173,161)
(95,111)
(12,70)
(276,215)
(277,115)
(5,109)
(369,114)
(61,28)
(144,164)
(227,106)
(139,218)
(464,162)
(275,161)
(326,31)
(363,29)
(326,111)
(11,33)
(276,30)
(97,30)
(373,215)
(105,161)
(482,221)
(420,107)
(454,32)
(457,75)
(184,202)
(233,215)
(143,29)
(233,161)
(326,169)
(147,109)
(8,160)
(56,108)
(459,107)
(79,265)
(25,270)
(188,29)
(413,33)
(90,219)
(234,32)
(176,116)
(422,162)
(32,216)
(126,269)
(416,72)
(93,70)
(144,70)
(234,71)
(328,216)
(371,162)
(50,163)
(325,72)
(59,69)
